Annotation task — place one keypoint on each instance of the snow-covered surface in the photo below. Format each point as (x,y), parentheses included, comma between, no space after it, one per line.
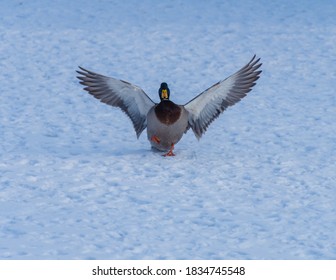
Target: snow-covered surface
(76,184)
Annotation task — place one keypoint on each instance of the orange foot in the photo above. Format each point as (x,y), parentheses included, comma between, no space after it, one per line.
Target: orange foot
(155,139)
(170,153)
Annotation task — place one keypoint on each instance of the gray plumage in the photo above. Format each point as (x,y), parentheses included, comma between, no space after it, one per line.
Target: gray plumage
(129,98)
(208,105)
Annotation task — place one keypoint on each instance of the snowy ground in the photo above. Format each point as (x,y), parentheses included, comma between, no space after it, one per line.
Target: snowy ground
(76,184)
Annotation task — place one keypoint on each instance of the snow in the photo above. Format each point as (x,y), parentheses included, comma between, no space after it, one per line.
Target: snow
(75,183)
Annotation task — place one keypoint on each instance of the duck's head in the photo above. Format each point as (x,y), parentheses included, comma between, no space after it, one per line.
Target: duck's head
(164,91)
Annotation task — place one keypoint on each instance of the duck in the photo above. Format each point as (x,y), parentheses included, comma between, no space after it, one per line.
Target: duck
(166,121)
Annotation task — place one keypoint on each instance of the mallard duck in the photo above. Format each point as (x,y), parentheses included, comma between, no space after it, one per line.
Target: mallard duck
(166,121)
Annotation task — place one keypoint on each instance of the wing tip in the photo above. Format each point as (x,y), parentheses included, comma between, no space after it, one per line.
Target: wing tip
(82,72)
(254,61)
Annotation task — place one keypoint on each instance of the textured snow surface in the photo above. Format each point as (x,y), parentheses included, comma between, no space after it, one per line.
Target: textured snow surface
(75,183)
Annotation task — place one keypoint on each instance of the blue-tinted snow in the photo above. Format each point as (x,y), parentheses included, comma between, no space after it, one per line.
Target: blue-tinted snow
(76,184)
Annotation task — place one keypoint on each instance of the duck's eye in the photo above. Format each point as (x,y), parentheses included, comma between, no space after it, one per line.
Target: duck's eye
(164,94)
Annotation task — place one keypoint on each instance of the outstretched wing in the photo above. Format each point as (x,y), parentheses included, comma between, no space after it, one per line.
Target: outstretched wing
(130,98)
(208,105)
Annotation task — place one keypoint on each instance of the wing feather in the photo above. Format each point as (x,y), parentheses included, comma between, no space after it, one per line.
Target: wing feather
(129,98)
(208,105)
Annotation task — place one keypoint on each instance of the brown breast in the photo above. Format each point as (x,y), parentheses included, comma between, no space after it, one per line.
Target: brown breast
(167,112)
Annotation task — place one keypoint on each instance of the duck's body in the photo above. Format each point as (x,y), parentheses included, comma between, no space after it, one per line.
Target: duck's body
(166,124)
(166,121)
